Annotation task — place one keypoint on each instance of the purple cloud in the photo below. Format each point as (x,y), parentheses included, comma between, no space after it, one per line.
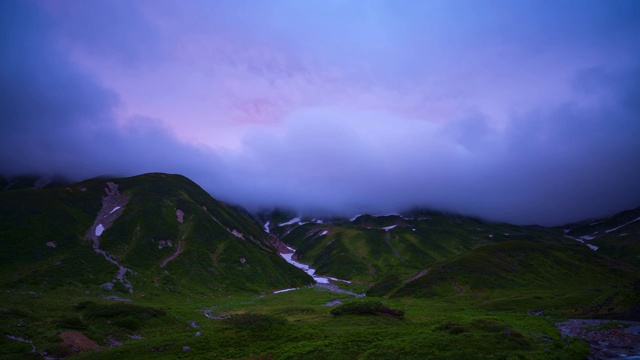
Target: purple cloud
(524,112)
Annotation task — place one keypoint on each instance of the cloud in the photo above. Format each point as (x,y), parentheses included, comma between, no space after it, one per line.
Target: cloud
(58,119)
(523,126)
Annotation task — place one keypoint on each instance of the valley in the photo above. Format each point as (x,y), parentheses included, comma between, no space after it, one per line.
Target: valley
(152,266)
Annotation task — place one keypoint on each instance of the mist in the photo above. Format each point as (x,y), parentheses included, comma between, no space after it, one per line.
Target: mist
(334,108)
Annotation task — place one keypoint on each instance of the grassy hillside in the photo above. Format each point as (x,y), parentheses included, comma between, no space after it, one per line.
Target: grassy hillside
(156,268)
(617,236)
(371,248)
(532,276)
(44,242)
(436,255)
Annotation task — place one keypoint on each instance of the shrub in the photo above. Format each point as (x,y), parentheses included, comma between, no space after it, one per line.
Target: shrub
(366,308)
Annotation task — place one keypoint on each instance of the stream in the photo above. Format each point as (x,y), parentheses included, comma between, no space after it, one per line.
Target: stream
(322,282)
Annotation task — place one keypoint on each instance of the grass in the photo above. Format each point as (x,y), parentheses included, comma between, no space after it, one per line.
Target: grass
(289,325)
(474,302)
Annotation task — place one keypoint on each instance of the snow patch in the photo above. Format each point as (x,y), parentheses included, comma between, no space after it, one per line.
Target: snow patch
(114,209)
(389,227)
(324,232)
(580,240)
(99,229)
(266,226)
(588,237)
(319,221)
(285,290)
(576,239)
(292,221)
(355,217)
(623,225)
(164,243)
(304,267)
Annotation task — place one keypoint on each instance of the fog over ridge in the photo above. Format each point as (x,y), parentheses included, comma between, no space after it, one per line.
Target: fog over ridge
(530,131)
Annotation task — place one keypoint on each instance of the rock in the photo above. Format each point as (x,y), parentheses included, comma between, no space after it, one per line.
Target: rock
(198,333)
(186,348)
(107,286)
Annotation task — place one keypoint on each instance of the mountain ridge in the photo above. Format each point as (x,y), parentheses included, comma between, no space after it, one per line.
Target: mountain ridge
(116,257)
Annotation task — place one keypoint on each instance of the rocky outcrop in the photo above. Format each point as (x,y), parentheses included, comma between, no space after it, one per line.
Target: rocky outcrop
(113,204)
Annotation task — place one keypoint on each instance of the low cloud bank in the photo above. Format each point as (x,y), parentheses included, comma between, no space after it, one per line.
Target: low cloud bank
(547,165)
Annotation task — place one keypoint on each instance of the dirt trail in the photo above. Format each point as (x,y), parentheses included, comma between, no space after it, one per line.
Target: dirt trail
(113,204)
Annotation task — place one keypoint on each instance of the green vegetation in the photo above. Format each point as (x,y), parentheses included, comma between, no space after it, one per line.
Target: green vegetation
(289,325)
(439,286)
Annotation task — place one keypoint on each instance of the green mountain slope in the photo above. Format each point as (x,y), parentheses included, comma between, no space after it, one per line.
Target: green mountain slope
(534,275)
(617,236)
(163,230)
(152,266)
(370,248)
(431,254)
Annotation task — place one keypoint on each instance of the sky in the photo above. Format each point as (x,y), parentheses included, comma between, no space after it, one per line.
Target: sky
(519,111)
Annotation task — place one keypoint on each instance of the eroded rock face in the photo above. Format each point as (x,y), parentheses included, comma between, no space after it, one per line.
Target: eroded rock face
(113,204)
(180,215)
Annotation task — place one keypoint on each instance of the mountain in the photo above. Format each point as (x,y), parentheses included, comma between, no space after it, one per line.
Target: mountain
(434,254)
(32,182)
(136,235)
(153,266)
(617,236)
